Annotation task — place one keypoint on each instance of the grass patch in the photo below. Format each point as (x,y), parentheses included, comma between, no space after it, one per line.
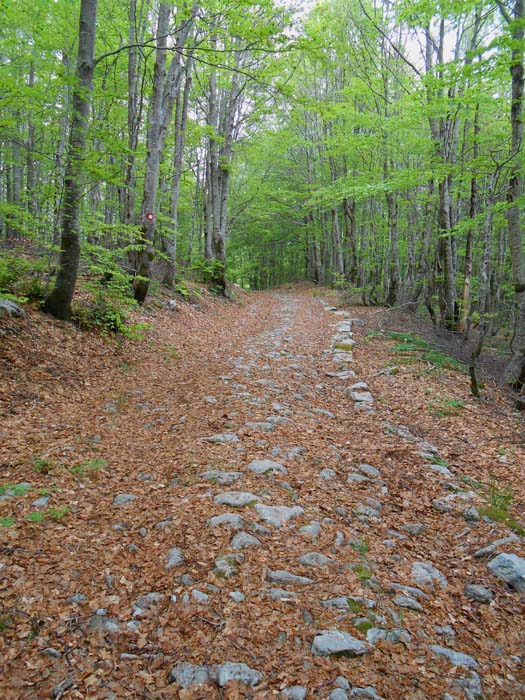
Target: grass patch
(364,625)
(58,513)
(36,517)
(362,572)
(14,489)
(446,408)
(89,467)
(7,522)
(440,361)
(355,605)
(41,465)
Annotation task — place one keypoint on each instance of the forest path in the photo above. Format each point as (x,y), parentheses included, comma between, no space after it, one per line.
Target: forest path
(263,518)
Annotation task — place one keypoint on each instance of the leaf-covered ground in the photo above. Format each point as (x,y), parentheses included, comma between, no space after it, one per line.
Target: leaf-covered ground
(85,421)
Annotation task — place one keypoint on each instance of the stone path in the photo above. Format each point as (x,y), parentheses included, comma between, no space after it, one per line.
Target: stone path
(309,575)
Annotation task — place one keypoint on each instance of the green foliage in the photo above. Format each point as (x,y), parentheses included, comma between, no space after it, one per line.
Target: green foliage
(7,522)
(441,361)
(89,467)
(14,489)
(58,513)
(36,517)
(22,279)
(41,464)
(447,407)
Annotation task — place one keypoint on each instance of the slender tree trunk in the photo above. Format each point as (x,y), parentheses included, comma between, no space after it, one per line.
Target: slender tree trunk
(515,370)
(58,303)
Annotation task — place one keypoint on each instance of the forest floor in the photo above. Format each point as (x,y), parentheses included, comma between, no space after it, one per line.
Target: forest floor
(118,580)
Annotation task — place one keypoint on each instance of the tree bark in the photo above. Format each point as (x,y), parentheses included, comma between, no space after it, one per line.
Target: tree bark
(58,303)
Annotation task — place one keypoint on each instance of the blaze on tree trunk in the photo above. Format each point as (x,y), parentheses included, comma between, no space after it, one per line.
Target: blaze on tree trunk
(58,303)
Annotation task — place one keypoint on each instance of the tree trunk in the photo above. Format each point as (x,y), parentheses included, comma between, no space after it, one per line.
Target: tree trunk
(58,303)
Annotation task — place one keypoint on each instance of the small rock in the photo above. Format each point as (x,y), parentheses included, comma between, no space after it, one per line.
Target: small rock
(327,474)
(365,511)
(232,520)
(405,601)
(478,593)
(41,502)
(511,569)
(408,590)
(260,426)
(425,574)
(281,594)
(103,623)
(123,499)
(311,530)
(278,515)
(413,528)
(77,598)
(342,682)
(199,596)
(175,558)
(355,478)
(222,437)
(188,675)
(335,642)
(471,515)
(315,559)
(242,540)
(367,693)
(211,400)
(394,636)
(68,682)
(237,672)
(281,576)
(223,478)
(226,565)
(237,499)
(338,694)
(369,471)
(237,596)
(456,658)
(266,466)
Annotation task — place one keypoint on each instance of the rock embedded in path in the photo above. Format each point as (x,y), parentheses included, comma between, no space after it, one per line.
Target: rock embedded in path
(281,576)
(511,569)
(242,540)
(370,471)
(103,623)
(335,642)
(338,694)
(222,437)
(278,515)
(223,478)
(260,426)
(406,601)
(226,565)
(237,499)
(232,520)
(266,466)
(175,558)
(327,474)
(315,559)
(425,574)
(355,478)
(456,658)
(478,593)
(281,594)
(294,692)
(311,530)
(237,672)
(189,675)
(123,499)
(394,636)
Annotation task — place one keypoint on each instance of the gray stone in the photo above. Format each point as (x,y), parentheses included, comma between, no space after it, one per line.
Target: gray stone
(342,682)
(103,623)
(123,499)
(294,692)
(345,374)
(456,658)
(10,309)
(226,565)
(491,548)
(511,569)
(278,515)
(237,596)
(355,478)
(199,596)
(77,599)
(425,574)
(315,559)
(365,511)
(237,672)
(211,400)
(338,694)
(232,520)
(440,469)
(224,478)
(281,594)
(145,602)
(369,471)
(260,426)
(222,437)
(478,593)
(327,474)
(175,558)
(472,687)
(236,499)
(335,642)
(266,466)
(408,590)
(367,693)
(394,636)
(361,396)
(413,528)
(471,515)
(242,540)
(188,675)
(41,502)
(405,601)
(281,576)
(311,530)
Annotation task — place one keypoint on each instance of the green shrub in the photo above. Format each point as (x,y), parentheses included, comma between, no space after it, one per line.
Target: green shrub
(22,279)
